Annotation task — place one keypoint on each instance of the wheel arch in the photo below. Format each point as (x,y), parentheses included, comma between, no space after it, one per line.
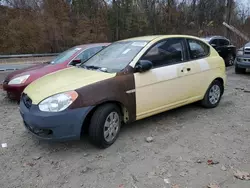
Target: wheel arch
(123,110)
(216,78)
(222,82)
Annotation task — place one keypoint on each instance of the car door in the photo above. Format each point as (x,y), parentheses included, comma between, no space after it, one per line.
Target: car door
(164,86)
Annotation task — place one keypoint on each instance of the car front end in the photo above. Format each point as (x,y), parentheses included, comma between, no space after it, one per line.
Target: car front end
(46,104)
(51,119)
(242,59)
(14,86)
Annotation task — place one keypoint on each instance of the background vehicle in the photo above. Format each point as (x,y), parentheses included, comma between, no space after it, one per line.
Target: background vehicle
(242,61)
(16,81)
(224,47)
(128,80)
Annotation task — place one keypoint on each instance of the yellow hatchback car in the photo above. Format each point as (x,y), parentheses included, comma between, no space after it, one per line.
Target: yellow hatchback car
(128,80)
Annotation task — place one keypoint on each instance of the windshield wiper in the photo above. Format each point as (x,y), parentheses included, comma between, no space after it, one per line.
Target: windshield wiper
(94,67)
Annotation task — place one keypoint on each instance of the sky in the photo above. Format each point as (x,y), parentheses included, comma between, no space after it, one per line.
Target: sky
(244,6)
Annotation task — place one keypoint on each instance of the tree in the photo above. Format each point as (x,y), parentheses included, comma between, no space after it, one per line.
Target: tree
(55,25)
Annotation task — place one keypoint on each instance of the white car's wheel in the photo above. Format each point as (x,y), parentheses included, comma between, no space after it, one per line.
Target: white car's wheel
(213,95)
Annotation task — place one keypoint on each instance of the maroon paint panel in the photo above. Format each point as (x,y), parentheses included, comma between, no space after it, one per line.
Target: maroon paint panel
(113,89)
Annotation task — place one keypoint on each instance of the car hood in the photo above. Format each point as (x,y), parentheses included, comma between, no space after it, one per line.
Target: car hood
(24,71)
(247,45)
(64,80)
(36,72)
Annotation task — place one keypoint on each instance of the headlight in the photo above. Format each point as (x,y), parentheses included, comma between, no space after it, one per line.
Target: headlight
(58,102)
(239,52)
(19,80)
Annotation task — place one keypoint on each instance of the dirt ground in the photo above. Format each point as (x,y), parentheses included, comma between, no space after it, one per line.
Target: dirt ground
(184,139)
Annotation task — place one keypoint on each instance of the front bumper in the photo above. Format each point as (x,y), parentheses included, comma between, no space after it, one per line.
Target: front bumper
(54,126)
(242,62)
(14,91)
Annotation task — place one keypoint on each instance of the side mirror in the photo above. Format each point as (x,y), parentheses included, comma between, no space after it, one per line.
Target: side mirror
(76,62)
(143,66)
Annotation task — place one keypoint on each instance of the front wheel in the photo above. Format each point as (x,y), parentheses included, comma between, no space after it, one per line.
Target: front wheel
(213,95)
(105,125)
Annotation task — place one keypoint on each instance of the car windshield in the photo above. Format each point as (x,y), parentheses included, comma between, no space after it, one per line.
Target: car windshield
(62,57)
(115,57)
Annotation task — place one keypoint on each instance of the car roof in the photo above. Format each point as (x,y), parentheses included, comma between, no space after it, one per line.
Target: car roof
(90,45)
(214,37)
(143,38)
(153,37)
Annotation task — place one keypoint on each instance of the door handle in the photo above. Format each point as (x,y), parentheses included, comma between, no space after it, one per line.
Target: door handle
(188,69)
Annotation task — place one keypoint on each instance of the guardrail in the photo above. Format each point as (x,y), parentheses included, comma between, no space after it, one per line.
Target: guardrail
(27,55)
(27,58)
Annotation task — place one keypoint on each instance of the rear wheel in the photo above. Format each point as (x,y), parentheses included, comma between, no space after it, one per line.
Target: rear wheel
(213,95)
(239,70)
(105,125)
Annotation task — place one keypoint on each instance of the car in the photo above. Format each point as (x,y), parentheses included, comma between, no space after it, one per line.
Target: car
(127,81)
(242,61)
(15,82)
(224,47)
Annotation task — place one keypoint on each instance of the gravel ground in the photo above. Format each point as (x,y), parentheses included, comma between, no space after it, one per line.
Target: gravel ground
(183,140)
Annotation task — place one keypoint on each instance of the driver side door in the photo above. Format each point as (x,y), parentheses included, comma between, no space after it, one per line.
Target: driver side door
(160,88)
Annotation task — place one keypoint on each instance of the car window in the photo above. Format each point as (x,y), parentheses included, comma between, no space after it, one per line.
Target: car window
(167,52)
(198,49)
(86,54)
(223,42)
(215,42)
(64,56)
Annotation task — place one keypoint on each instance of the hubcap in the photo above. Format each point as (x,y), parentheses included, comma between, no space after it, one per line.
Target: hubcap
(214,94)
(111,126)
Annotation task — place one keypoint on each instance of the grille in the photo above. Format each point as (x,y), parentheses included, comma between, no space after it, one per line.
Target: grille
(26,100)
(246,60)
(247,51)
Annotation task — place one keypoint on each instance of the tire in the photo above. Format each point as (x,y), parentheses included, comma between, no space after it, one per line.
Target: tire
(229,61)
(97,127)
(239,70)
(208,101)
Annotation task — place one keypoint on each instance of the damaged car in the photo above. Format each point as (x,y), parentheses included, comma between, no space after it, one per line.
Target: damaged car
(127,81)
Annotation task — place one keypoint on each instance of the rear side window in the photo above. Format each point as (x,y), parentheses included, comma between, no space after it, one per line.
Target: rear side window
(198,49)
(215,42)
(223,42)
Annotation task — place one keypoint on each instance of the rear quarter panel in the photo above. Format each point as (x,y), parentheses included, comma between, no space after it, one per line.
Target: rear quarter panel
(216,69)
